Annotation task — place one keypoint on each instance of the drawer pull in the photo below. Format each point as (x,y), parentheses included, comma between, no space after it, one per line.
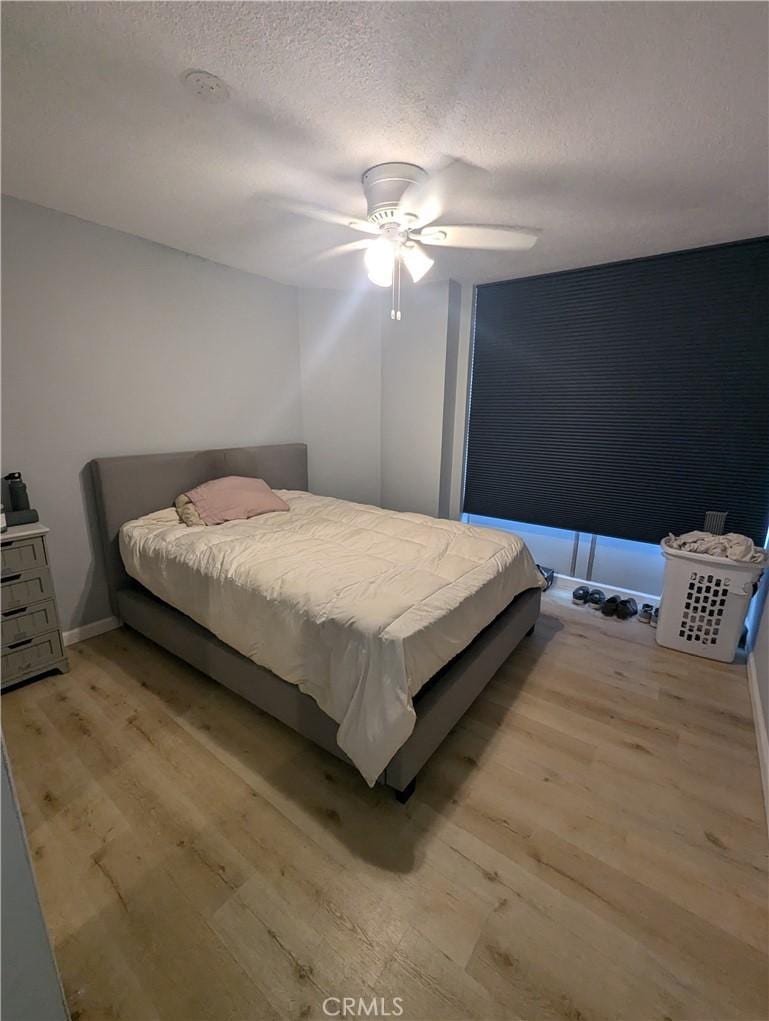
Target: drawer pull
(18,645)
(8,542)
(11,577)
(15,613)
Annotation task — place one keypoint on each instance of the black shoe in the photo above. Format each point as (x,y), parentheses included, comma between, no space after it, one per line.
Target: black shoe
(580,595)
(644,614)
(610,606)
(627,608)
(596,599)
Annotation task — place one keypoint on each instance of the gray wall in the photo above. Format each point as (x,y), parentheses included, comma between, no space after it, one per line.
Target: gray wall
(112,344)
(341,351)
(31,990)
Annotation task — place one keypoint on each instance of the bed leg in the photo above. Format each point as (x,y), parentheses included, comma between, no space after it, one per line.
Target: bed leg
(403,796)
(530,632)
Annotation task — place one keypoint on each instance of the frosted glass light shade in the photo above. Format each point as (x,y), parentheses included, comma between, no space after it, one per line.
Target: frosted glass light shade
(417,261)
(380,260)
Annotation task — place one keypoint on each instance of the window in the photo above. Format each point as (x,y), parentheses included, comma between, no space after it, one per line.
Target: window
(625,400)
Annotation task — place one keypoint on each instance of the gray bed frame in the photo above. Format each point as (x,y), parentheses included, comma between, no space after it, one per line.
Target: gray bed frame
(129,487)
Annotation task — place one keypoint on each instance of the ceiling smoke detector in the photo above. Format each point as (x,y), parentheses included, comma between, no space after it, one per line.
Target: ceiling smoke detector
(206,86)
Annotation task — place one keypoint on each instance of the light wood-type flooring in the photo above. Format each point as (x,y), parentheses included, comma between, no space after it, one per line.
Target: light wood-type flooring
(588,844)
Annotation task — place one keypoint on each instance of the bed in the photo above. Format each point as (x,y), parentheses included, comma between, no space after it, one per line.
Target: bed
(368,632)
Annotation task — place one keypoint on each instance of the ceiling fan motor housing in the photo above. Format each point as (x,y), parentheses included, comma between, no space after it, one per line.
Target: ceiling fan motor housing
(384,186)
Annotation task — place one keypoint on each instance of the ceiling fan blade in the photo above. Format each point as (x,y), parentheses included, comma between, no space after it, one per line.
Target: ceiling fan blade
(332,253)
(426,200)
(493,238)
(329,216)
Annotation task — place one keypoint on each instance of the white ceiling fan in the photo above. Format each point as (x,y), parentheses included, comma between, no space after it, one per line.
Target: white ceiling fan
(403,203)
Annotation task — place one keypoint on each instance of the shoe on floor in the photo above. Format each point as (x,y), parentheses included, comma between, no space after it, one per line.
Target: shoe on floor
(644,614)
(627,608)
(610,606)
(655,617)
(580,595)
(596,599)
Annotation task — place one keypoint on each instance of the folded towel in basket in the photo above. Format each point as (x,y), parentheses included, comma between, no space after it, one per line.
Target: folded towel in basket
(731,546)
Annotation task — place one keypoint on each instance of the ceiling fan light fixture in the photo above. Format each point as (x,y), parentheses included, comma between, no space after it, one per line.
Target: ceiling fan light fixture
(380,262)
(416,259)
(403,202)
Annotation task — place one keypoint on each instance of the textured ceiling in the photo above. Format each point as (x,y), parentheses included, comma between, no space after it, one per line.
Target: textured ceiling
(619,129)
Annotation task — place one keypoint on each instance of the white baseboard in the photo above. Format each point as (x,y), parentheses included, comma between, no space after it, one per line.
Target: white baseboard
(564,581)
(96,627)
(762,738)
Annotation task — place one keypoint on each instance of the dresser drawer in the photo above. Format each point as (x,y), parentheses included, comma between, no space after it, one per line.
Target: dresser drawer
(22,554)
(25,588)
(34,655)
(28,621)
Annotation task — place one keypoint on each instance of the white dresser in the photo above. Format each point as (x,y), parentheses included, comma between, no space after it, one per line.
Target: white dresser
(31,637)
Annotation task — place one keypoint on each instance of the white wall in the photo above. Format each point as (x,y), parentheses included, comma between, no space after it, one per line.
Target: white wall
(758,674)
(759,633)
(341,354)
(31,990)
(414,353)
(113,345)
(378,395)
(464,355)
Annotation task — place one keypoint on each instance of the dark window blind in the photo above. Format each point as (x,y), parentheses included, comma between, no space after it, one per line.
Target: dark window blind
(625,400)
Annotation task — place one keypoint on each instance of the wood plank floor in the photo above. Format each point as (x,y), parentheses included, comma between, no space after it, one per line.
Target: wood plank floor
(588,844)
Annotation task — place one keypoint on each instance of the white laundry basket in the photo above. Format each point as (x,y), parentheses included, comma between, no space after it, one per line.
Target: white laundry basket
(704,602)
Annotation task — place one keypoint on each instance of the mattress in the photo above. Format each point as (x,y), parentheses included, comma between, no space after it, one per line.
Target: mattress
(356,605)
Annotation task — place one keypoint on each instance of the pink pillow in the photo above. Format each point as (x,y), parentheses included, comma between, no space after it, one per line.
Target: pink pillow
(232,498)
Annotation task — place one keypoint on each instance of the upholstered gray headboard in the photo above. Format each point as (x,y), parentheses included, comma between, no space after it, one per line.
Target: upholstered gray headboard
(128,487)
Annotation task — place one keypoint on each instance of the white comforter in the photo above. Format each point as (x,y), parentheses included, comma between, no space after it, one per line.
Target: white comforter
(356,605)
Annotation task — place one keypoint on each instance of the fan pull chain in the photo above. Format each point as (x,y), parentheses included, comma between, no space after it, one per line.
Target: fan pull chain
(395,311)
(398,306)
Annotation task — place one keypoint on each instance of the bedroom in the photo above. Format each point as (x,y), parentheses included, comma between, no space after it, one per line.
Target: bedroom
(353,758)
